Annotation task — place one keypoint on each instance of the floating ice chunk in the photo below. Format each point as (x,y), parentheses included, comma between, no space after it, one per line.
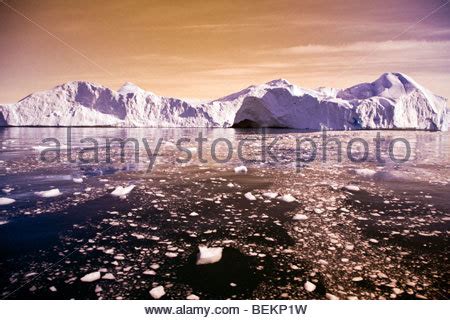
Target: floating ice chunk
(299,217)
(270,195)
(154,266)
(288,198)
(352,187)
(122,191)
(54,147)
(6,201)
(309,286)
(250,196)
(53,289)
(330,296)
(49,193)
(192,297)
(2,222)
(171,254)
(77,180)
(193,214)
(368,173)
(208,255)
(241,169)
(7,190)
(91,277)
(149,272)
(157,292)
(109,276)
(349,247)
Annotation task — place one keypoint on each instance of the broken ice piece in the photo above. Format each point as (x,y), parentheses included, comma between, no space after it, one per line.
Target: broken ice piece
(250,196)
(49,193)
(352,187)
(365,172)
(309,286)
(288,198)
(6,201)
(208,255)
(121,191)
(270,195)
(157,292)
(241,169)
(109,276)
(300,216)
(91,277)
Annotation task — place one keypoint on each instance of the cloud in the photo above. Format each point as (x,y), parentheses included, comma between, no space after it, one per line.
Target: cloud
(365,46)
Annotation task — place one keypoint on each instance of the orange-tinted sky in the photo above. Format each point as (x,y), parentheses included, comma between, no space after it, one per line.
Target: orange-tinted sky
(206,49)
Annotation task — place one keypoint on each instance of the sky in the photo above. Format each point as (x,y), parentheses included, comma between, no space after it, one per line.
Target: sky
(208,49)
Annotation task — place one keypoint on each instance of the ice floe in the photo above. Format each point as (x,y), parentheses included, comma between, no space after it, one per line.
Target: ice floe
(249,196)
(49,193)
(6,201)
(364,172)
(241,169)
(288,198)
(122,191)
(300,217)
(91,277)
(208,255)
(157,292)
(309,286)
(352,187)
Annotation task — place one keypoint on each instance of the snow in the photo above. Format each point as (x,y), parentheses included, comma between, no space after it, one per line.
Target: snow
(122,191)
(91,277)
(208,255)
(49,193)
(6,201)
(393,101)
(157,292)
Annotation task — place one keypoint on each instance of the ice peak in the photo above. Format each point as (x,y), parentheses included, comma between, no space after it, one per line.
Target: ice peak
(279,83)
(129,87)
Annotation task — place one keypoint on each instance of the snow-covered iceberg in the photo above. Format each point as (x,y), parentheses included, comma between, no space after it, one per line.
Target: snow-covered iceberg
(394,101)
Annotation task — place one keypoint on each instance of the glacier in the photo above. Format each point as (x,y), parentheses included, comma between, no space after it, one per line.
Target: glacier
(393,101)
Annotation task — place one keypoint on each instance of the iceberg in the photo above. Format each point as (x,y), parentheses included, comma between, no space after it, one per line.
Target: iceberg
(393,101)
